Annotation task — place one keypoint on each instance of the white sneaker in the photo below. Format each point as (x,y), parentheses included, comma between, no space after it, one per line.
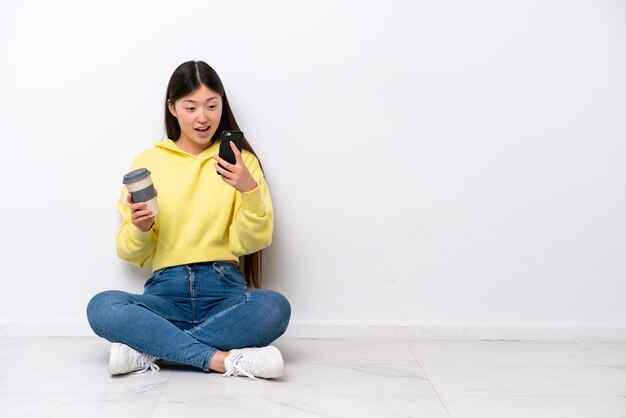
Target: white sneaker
(124,359)
(265,362)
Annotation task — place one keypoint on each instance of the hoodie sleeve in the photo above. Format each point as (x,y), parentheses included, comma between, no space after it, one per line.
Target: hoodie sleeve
(253,220)
(132,244)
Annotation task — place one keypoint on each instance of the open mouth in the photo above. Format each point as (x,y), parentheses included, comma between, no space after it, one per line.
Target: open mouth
(202,129)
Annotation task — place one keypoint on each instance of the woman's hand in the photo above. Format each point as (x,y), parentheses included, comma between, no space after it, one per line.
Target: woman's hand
(237,175)
(140,215)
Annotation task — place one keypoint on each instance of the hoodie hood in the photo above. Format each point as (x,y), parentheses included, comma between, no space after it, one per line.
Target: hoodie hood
(170,146)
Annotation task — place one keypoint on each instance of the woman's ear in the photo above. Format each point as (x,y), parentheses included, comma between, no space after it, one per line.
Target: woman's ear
(171,107)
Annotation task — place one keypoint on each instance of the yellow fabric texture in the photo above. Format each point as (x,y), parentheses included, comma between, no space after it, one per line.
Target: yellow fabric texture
(201,218)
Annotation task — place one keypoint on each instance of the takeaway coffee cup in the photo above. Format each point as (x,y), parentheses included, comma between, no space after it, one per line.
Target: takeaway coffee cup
(140,186)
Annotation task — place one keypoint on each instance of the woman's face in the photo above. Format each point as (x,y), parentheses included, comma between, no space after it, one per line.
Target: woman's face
(198,115)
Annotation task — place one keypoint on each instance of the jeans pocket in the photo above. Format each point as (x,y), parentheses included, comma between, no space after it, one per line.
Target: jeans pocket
(153,278)
(229,274)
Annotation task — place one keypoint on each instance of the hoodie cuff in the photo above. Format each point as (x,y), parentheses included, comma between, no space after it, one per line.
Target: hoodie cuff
(138,236)
(252,201)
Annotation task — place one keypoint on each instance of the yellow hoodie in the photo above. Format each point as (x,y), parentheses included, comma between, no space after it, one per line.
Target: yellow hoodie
(200,218)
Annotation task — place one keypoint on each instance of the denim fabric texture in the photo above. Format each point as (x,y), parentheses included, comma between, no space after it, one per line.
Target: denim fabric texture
(186,313)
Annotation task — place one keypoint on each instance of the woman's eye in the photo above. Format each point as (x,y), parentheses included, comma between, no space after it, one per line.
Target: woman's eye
(191,109)
(212,107)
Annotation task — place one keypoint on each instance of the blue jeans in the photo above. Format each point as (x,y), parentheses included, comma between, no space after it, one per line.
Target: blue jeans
(188,312)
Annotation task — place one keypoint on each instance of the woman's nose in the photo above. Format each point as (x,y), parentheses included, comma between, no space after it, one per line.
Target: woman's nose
(203,116)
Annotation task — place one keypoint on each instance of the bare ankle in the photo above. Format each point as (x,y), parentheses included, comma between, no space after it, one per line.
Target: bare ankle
(217,362)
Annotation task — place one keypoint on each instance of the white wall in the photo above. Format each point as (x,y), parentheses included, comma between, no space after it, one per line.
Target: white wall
(433,163)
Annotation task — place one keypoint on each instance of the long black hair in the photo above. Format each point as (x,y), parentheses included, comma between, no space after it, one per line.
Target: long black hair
(187,78)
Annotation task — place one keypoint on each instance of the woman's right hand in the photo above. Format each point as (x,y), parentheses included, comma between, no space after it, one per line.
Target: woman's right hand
(140,215)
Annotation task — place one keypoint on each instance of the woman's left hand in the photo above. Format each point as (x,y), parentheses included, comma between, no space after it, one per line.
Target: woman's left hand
(237,175)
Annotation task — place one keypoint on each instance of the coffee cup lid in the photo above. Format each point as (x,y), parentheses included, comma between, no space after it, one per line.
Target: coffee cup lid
(136,175)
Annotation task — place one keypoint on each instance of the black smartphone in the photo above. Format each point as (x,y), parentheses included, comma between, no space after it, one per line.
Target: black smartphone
(226,152)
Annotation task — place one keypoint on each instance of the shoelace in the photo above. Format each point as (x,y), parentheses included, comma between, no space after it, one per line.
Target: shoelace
(238,369)
(146,361)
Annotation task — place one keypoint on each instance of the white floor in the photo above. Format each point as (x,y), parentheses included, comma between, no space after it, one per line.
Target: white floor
(67,377)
